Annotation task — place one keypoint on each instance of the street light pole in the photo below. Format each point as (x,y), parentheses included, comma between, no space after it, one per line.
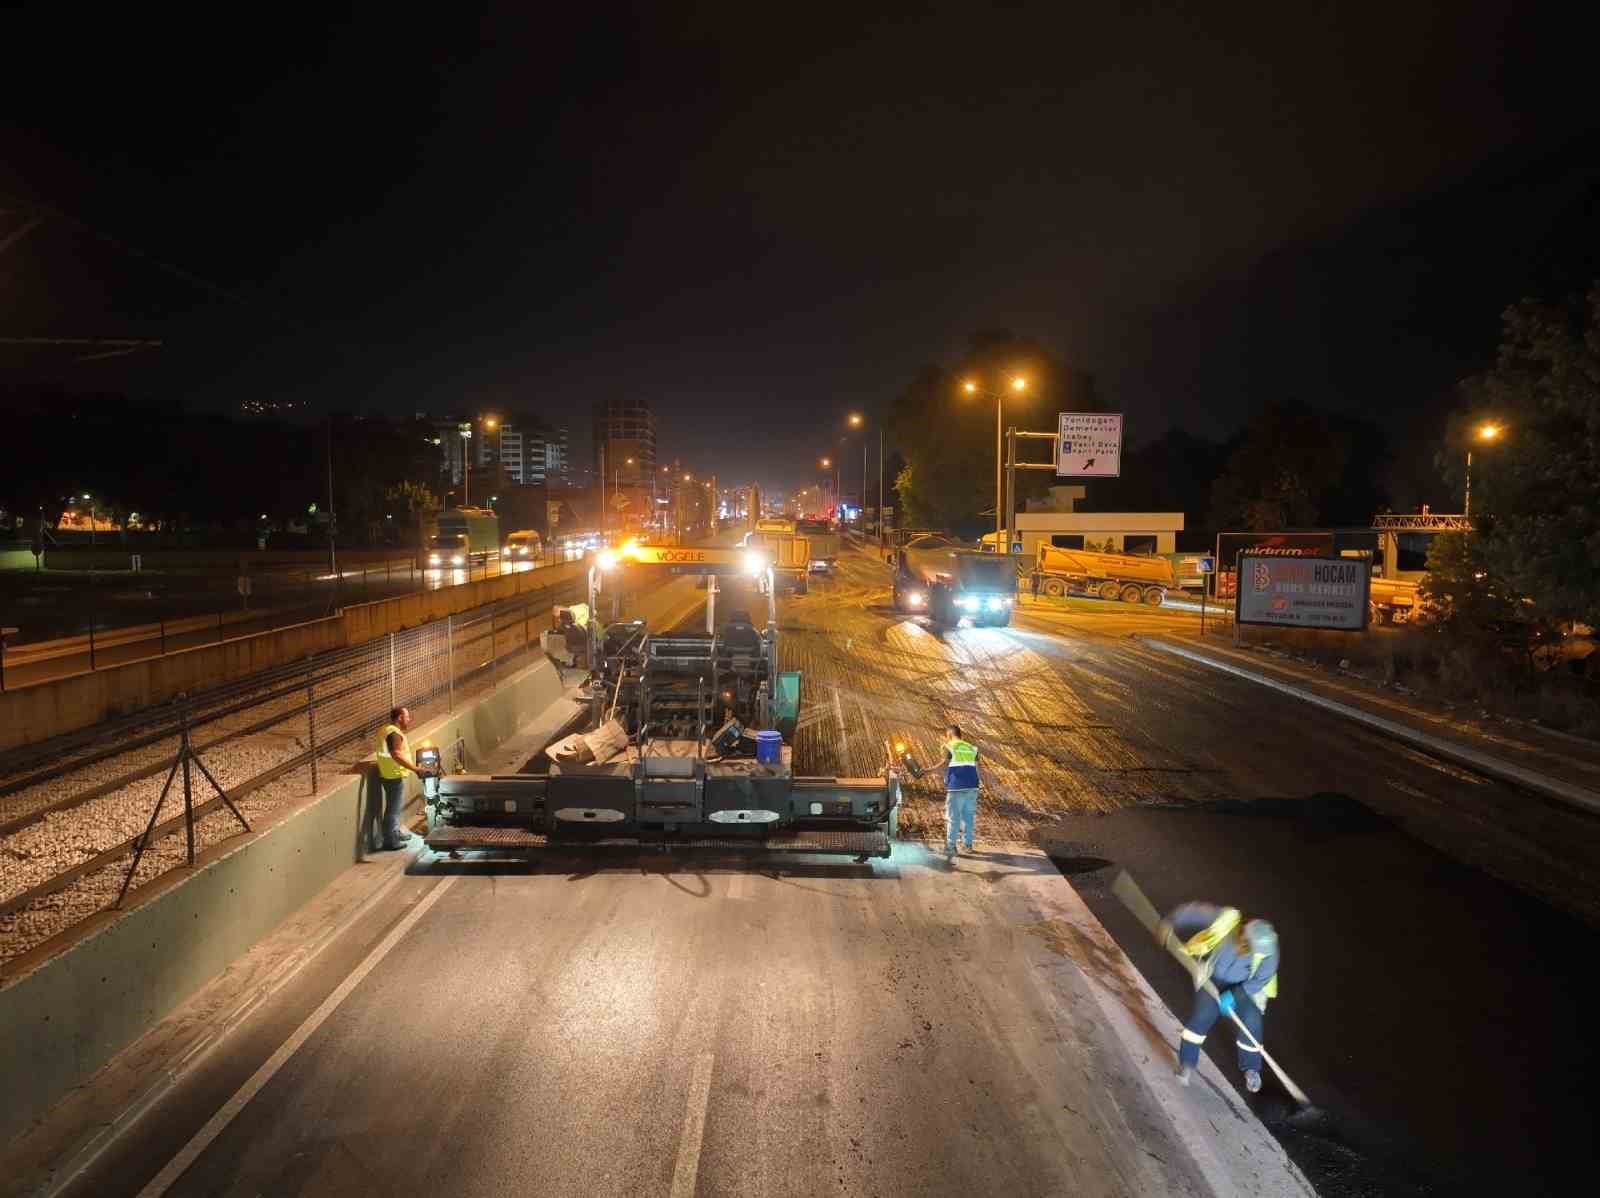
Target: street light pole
(1484,432)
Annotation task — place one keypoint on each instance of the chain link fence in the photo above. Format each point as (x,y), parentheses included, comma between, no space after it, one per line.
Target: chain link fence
(74,810)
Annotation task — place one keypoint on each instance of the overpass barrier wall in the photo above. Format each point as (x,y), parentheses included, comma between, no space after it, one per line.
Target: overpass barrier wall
(38,713)
(67,1015)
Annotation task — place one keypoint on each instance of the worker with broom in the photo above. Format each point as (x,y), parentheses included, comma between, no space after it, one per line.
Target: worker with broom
(1240,958)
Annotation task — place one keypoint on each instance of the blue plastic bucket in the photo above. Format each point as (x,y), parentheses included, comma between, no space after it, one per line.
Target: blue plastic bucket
(769,747)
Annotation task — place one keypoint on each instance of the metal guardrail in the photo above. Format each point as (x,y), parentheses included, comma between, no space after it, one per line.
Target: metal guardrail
(83,803)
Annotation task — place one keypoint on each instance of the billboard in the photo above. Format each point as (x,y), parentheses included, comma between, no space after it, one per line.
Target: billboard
(1303,592)
(1266,544)
(1089,445)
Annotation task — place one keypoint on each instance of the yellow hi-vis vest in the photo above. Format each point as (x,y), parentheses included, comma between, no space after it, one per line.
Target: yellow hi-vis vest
(1204,942)
(388,767)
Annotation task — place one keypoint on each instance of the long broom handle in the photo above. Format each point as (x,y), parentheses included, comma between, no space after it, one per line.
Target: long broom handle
(1126,889)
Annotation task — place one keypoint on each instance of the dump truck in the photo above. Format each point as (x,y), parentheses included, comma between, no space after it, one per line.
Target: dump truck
(788,554)
(1391,600)
(950,582)
(686,745)
(824,544)
(1130,577)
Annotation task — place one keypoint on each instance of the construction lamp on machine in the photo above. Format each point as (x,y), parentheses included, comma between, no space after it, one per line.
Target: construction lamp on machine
(754,563)
(916,599)
(607,559)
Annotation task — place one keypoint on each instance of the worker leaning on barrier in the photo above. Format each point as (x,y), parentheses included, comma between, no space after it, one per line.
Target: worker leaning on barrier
(394,762)
(1240,958)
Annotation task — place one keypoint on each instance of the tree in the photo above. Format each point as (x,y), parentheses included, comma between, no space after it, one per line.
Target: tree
(1289,458)
(1536,486)
(946,435)
(416,501)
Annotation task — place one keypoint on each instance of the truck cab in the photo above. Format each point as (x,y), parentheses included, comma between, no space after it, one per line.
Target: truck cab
(524,545)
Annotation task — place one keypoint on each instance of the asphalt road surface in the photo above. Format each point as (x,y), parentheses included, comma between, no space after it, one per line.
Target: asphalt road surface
(845,1029)
(1438,927)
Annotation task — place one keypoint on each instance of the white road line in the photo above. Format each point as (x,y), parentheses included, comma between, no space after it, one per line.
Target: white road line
(838,710)
(685,1176)
(287,970)
(218,1123)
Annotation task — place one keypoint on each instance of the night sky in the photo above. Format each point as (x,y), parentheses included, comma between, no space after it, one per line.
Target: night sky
(761,217)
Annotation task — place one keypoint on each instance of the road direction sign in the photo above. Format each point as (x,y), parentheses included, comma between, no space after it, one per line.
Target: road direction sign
(1089,445)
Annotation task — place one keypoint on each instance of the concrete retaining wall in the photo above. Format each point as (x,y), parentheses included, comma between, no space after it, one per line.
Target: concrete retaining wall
(49,709)
(115,557)
(71,1014)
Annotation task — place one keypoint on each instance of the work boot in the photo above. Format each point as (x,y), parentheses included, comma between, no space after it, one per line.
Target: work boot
(1252,1080)
(1184,1073)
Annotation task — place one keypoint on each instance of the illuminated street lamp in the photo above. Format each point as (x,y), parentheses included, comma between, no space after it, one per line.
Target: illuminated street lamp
(1018,384)
(1486,433)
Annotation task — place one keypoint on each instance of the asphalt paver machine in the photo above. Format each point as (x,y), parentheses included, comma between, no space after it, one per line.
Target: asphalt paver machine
(694,734)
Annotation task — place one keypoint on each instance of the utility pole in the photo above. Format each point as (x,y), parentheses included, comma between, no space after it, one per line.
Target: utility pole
(333,558)
(880,482)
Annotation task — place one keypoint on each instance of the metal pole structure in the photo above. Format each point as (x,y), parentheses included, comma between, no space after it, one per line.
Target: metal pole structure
(188,793)
(603,512)
(999,452)
(880,483)
(1011,491)
(311,726)
(333,555)
(450,661)
(1466,506)
(393,699)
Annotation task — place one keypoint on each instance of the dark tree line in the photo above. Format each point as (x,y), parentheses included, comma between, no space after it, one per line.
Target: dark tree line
(185,471)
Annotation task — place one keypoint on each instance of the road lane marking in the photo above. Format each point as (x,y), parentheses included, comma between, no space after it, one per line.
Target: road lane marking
(218,1123)
(687,1174)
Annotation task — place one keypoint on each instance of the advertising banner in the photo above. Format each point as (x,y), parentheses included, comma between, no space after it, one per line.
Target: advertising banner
(1303,592)
(1265,544)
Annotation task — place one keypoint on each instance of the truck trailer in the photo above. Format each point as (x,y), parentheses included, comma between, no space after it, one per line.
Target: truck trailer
(1130,577)
(950,582)
(463,535)
(824,544)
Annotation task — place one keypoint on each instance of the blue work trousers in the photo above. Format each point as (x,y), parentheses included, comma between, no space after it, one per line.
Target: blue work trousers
(383,808)
(960,811)
(1206,1013)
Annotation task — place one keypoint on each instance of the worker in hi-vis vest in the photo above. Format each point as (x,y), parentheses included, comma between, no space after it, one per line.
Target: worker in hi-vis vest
(960,791)
(394,762)
(1240,958)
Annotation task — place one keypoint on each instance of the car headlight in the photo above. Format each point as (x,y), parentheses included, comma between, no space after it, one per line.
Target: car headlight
(457,560)
(916,598)
(994,604)
(754,563)
(433,559)
(967,603)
